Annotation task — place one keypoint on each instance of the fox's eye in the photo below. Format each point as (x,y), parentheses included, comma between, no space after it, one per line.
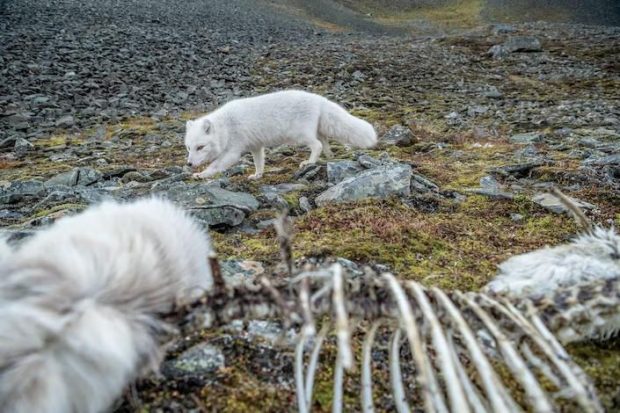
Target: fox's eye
(199,148)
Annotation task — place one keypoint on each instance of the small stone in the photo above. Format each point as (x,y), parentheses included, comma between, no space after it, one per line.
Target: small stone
(398,135)
(22,146)
(304,204)
(237,273)
(65,122)
(135,176)
(520,170)
(502,28)
(604,160)
(492,92)
(516,217)
(522,44)
(201,359)
(526,138)
(276,201)
(359,76)
(498,51)
(368,161)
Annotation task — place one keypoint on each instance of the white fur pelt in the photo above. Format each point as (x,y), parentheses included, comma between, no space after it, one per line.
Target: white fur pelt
(286,117)
(80,303)
(588,257)
(541,273)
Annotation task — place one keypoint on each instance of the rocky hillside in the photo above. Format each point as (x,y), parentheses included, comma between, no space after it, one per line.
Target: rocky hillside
(476,125)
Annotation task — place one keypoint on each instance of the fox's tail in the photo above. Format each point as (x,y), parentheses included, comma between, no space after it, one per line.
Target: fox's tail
(336,123)
(81,304)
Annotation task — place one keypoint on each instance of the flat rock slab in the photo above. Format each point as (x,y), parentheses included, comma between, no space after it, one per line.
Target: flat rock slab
(213,205)
(338,171)
(553,204)
(200,359)
(380,182)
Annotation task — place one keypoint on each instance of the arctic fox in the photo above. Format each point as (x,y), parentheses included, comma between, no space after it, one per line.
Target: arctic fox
(81,301)
(251,124)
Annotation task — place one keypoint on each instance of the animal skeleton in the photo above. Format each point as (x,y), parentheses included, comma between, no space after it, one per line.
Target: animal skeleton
(458,342)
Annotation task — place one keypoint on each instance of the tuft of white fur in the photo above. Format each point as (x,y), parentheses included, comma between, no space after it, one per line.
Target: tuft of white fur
(81,301)
(286,117)
(588,257)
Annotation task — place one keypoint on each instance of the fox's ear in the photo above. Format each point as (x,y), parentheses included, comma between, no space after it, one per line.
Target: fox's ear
(189,124)
(206,125)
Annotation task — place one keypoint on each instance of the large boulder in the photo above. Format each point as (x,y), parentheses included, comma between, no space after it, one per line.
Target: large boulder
(380,182)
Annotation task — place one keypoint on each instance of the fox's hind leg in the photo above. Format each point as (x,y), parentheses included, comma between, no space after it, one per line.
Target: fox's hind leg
(327,150)
(259,163)
(315,152)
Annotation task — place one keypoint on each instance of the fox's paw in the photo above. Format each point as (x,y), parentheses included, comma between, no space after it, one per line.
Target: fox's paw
(305,163)
(198,175)
(255,177)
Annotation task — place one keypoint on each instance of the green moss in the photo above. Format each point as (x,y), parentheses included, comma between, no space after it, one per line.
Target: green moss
(600,361)
(56,208)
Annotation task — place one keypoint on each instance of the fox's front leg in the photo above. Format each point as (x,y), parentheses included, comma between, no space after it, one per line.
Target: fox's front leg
(259,163)
(219,165)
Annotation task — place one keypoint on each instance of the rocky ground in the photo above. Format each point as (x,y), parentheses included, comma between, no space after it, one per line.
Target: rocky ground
(475,126)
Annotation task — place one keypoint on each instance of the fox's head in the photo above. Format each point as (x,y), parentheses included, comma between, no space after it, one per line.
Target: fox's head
(201,142)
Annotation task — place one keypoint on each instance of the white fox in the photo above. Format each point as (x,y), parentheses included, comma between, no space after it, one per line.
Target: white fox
(81,303)
(251,124)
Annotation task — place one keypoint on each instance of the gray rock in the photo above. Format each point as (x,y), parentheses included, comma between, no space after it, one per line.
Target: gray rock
(241,272)
(522,44)
(75,177)
(8,143)
(88,176)
(502,28)
(553,204)
(199,194)
(529,152)
(526,138)
(475,110)
(340,170)
(398,135)
(304,204)
(498,51)
(516,217)
(380,182)
(136,177)
(69,178)
(22,146)
(282,188)
(369,162)
(604,160)
(269,332)
(212,205)
(494,193)
(309,172)
(276,201)
(492,92)
(519,170)
(491,188)
(201,359)
(215,215)
(422,184)
(65,122)
(19,190)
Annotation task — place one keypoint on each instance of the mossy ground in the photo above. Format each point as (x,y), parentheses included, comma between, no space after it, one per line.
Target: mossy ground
(455,245)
